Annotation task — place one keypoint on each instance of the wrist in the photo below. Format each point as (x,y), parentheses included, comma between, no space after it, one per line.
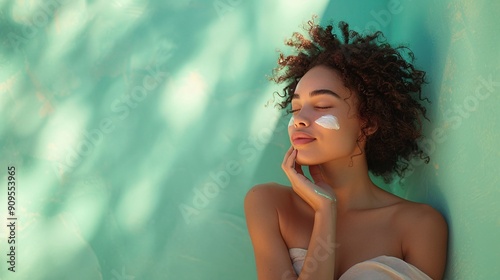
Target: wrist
(328,209)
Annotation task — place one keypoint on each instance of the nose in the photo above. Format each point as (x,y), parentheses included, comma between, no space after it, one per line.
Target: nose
(299,120)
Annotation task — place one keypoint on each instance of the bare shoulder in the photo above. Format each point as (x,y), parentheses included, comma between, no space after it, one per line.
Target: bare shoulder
(266,199)
(261,210)
(424,237)
(266,193)
(413,216)
(263,204)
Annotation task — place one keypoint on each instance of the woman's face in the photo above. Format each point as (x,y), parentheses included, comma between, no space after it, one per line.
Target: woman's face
(325,125)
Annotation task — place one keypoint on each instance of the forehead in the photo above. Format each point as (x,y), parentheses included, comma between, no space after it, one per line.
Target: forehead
(322,77)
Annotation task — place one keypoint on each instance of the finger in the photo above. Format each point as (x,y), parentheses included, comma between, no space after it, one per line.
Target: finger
(290,162)
(298,167)
(285,158)
(290,168)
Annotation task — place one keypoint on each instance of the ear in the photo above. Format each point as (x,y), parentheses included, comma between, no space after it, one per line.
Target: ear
(370,127)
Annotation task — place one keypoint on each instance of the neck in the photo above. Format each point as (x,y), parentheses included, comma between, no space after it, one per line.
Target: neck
(350,182)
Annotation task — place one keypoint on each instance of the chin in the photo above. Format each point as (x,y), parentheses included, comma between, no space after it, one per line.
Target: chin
(306,161)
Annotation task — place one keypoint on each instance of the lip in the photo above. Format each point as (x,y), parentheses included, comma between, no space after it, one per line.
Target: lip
(300,138)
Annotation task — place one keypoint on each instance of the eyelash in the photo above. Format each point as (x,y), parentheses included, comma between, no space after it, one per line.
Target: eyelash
(320,108)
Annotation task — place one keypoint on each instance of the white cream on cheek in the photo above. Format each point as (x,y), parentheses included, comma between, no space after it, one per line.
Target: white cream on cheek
(328,122)
(291,122)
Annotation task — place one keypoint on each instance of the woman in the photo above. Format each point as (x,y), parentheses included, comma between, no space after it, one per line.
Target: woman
(356,109)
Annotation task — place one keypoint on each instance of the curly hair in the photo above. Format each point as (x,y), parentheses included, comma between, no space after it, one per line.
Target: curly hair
(386,85)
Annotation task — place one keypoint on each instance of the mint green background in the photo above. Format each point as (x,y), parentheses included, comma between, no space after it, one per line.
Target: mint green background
(137,127)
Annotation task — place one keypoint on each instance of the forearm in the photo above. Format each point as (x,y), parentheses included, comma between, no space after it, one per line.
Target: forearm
(320,259)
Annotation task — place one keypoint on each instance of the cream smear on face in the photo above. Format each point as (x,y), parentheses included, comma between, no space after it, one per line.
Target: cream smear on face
(328,122)
(291,122)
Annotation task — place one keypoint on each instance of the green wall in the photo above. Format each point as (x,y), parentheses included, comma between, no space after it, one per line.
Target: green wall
(137,127)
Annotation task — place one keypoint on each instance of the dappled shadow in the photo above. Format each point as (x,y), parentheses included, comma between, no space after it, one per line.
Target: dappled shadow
(137,128)
(124,116)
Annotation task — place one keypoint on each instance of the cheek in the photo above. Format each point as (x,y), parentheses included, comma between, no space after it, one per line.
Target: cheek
(290,123)
(329,122)
(343,140)
(290,126)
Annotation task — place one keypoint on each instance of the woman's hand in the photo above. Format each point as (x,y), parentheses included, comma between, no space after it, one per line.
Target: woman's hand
(317,194)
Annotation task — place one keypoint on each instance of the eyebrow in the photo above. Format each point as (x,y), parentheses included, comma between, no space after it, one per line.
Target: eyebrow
(318,92)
